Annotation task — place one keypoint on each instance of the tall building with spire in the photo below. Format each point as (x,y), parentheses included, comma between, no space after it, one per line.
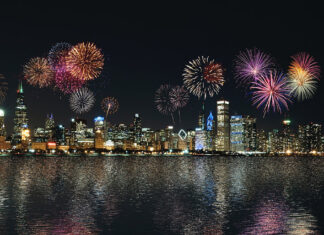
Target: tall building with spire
(201,118)
(20,120)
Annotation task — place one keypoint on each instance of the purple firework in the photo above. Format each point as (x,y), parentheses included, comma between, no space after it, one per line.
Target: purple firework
(271,91)
(179,97)
(250,64)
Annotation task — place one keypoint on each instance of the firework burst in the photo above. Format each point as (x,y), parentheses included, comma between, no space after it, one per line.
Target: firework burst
(203,77)
(250,64)
(303,62)
(3,88)
(109,105)
(85,61)
(57,54)
(38,72)
(303,73)
(163,100)
(82,100)
(271,91)
(67,83)
(179,97)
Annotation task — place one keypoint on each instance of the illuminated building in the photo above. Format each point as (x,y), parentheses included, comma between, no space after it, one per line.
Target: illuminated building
(49,127)
(237,130)
(223,126)
(137,125)
(2,124)
(286,137)
(20,119)
(309,138)
(210,132)
(261,141)
(274,141)
(191,139)
(201,118)
(99,129)
(249,133)
(59,135)
(39,134)
(200,139)
(147,138)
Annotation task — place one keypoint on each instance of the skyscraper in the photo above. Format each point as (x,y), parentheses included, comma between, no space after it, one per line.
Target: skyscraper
(210,132)
(49,127)
(237,133)
(223,126)
(201,118)
(2,125)
(20,119)
(249,133)
(137,125)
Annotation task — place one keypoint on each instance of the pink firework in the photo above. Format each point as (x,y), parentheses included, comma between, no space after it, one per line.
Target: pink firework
(271,91)
(250,64)
(307,63)
(67,83)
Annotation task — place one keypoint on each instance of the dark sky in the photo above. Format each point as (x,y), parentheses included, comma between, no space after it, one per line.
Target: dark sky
(146,45)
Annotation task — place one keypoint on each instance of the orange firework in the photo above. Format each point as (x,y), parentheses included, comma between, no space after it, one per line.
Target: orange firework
(38,72)
(85,61)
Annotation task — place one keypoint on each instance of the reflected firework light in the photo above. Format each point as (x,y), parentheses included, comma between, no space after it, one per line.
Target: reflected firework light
(38,72)
(82,100)
(85,61)
(3,88)
(203,77)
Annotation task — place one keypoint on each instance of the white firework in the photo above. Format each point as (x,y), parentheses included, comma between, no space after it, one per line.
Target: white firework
(82,100)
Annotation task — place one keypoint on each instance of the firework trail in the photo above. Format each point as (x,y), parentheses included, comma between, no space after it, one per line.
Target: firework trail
(3,88)
(179,97)
(57,54)
(85,61)
(250,64)
(82,100)
(203,77)
(109,105)
(163,100)
(67,83)
(38,72)
(271,91)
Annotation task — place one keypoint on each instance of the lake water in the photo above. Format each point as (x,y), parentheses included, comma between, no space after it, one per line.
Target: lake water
(161,195)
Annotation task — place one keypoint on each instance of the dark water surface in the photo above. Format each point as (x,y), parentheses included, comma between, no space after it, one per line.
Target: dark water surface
(161,195)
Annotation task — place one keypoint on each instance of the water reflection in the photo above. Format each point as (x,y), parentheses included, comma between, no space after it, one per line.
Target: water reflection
(161,195)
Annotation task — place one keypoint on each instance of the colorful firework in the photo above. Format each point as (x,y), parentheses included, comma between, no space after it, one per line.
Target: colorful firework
(109,105)
(250,64)
(271,91)
(57,54)
(304,63)
(3,88)
(85,61)
(38,72)
(67,83)
(303,87)
(82,100)
(203,77)
(179,97)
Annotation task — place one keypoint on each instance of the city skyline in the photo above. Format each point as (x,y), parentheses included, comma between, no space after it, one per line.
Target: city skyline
(141,54)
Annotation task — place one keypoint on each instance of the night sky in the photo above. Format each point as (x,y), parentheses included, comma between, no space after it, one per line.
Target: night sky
(146,45)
